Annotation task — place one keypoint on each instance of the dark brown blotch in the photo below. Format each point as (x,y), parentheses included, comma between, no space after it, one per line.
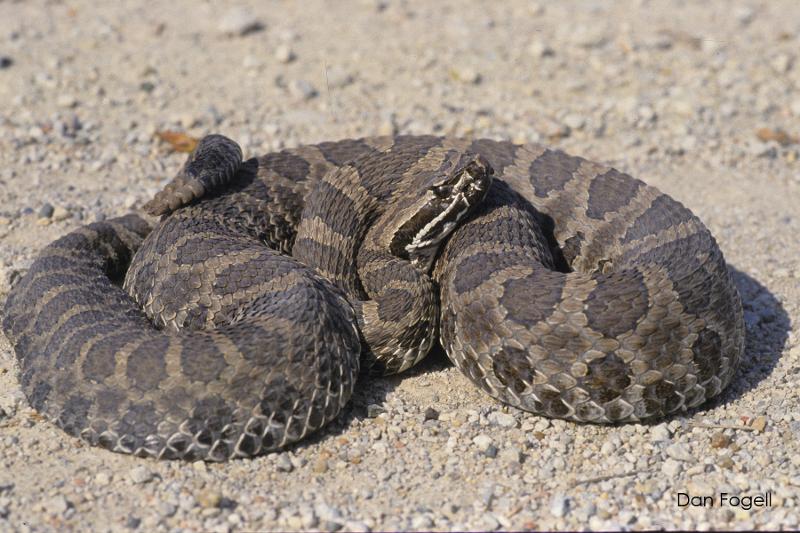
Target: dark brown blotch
(147,365)
(101,359)
(532,299)
(513,369)
(201,359)
(551,171)
(663,213)
(73,416)
(341,152)
(607,378)
(617,303)
(472,270)
(707,351)
(38,396)
(394,305)
(610,191)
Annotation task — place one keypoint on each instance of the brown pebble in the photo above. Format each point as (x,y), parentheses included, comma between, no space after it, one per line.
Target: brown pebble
(720,440)
(320,466)
(209,499)
(759,423)
(725,462)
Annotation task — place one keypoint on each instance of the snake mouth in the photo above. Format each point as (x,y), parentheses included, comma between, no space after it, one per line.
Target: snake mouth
(446,203)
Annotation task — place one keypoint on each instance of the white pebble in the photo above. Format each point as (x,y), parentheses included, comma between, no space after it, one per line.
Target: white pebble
(284,54)
(559,505)
(482,442)
(283,463)
(539,48)
(140,474)
(671,467)
(58,504)
(574,121)
(66,100)
(680,452)
(499,418)
(239,21)
(781,63)
(302,89)
(660,432)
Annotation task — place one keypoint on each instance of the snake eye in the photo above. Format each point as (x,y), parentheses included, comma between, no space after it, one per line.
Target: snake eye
(443,191)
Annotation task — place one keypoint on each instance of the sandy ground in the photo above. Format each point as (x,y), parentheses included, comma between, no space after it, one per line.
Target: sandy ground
(699,99)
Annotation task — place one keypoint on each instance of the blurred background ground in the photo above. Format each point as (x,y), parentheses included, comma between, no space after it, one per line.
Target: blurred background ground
(699,99)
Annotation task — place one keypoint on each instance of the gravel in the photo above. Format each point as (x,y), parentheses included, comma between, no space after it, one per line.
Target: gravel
(698,99)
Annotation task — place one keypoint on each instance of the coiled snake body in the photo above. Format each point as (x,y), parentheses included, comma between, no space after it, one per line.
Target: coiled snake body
(569,290)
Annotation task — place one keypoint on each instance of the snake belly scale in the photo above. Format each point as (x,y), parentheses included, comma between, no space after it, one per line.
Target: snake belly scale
(240,322)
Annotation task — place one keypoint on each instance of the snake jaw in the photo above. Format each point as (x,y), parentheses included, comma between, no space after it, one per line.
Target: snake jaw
(422,248)
(446,203)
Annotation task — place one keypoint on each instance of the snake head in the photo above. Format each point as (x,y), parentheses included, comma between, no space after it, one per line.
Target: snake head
(447,195)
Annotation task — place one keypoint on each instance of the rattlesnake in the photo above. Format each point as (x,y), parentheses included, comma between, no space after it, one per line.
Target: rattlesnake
(571,290)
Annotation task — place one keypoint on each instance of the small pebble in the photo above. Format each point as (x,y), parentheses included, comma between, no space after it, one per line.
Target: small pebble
(539,48)
(574,121)
(559,505)
(209,499)
(284,54)
(421,522)
(356,527)
(482,442)
(5,62)
(431,414)
(374,410)
(744,14)
(46,211)
(140,474)
(66,100)
(499,418)
(336,77)
(671,468)
(58,505)
(660,433)
(720,440)
(781,63)
(302,89)
(283,463)
(60,213)
(467,75)
(589,36)
(511,455)
(680,452)
(320,465)
(239,21)
(759,423)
